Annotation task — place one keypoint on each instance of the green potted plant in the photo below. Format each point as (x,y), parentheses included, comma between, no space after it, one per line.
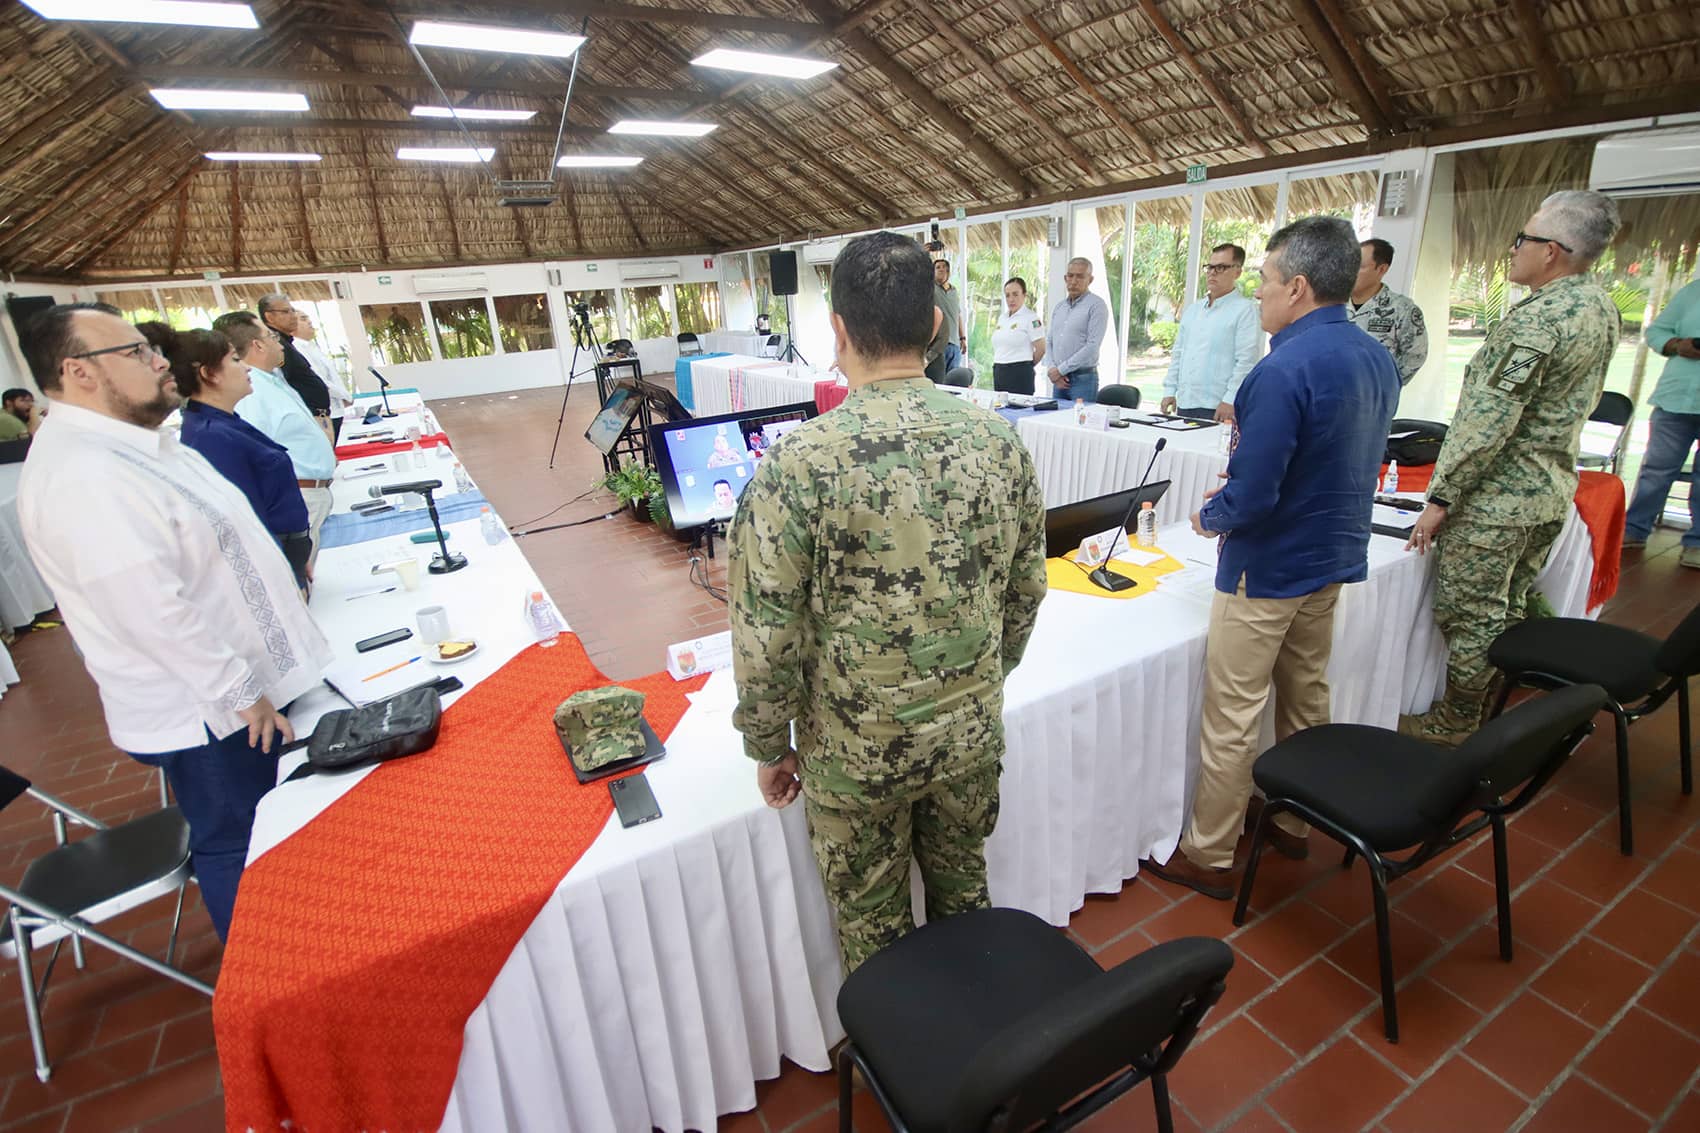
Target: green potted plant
(638,486)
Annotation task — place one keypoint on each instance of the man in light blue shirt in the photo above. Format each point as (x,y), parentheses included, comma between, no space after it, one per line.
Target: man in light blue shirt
(1218,343)
(1674,426)
(1076,334)
(278,411)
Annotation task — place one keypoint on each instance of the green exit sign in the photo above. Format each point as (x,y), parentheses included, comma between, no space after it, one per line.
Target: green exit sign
(1196,173)
(383,281)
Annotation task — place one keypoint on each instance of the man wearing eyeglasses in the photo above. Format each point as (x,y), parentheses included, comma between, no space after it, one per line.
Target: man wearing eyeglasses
(1506,475)
(1219,342)
(180,602)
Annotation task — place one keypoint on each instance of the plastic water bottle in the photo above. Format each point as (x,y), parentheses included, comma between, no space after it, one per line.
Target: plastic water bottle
(1390,482)
(492,527)
(545,623)
(1147,525)
(463,482)
(418,456)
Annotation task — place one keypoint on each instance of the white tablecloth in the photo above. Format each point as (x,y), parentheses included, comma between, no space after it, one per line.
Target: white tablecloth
(737,342)
(8,671)
(737,382)
(1076,463)
(23,592)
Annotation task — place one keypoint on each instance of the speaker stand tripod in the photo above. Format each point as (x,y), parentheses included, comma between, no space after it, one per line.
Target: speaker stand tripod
(581,335)
(792,354)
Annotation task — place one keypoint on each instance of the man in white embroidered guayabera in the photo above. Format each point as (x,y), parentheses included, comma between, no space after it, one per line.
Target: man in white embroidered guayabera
(184,609)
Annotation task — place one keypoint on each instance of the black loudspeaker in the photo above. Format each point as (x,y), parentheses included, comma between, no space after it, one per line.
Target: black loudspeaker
(21,307)
(783,267)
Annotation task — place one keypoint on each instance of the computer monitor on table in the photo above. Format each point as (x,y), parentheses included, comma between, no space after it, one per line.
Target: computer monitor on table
(1067,525)
(704,464)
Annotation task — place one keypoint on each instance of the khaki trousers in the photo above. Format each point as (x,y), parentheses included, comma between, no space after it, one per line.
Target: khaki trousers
(318,501)
(1255,644)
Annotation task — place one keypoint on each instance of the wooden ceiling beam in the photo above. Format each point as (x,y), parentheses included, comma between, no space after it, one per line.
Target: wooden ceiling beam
(567,198)
(372,199)
(128,223)
(988,69)
(530,88)
(1133,133)
(625,211)
(855,201)
(61,120)
(38,50)
(235,217)
(894,132)
(931,105)
(449,210)
(301,212)
(1554,83)
(1314,25)
(141,142)
(879,161)
(180,229)
(1349,38)
(1190,61)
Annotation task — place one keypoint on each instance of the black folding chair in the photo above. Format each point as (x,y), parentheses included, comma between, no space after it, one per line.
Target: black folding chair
(68,890)
(774,346)
(961,377)
(688,345)
(1638,672)
(1377,792)
(1613,409)
(994,1020)
(1127,397)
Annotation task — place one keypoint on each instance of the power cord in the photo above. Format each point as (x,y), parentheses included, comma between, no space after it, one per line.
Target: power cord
(582,495)
(699,578)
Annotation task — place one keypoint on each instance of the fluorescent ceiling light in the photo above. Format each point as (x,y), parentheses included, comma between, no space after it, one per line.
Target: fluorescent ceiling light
(473,114)
(762,63)
(243,155)
(445,153)
(596,161)
(229,99)
(483,37)
(662,129)
(185,13)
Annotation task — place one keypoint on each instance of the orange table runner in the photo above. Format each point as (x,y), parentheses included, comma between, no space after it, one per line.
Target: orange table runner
(1600,502)
(363,943)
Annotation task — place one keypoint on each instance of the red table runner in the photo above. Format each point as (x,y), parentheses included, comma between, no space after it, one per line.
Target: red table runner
(363,943)
(829,394)
(380,448)
(1599,501)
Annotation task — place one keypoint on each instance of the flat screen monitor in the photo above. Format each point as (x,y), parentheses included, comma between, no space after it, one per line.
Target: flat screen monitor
(1067,525)
(704,464)
(616,414)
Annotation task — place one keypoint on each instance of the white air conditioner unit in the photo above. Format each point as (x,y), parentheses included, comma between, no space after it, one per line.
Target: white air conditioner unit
(649,269)
(450,281)
(1648,163)
(822,252)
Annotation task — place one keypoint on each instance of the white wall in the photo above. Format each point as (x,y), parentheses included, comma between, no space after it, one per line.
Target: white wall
(14,373)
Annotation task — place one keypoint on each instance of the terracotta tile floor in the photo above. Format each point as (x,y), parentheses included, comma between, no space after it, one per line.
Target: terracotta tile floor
(1593,1028)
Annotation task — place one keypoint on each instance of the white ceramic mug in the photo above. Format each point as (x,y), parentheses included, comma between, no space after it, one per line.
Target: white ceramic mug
(433,624)
(408,571)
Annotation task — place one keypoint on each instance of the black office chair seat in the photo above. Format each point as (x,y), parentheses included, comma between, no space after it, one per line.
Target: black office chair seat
(995,1019)
(1127,397)
(1579,651)
(1393,800)
(106,865)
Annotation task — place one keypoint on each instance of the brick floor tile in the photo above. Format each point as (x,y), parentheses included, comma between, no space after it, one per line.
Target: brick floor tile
(1474,972)
(1412,943)
(1677,879)
(79,1075)
(1104,917)
(1458,1098)
(1675,995)
(1312,1005)
(1431,1021)
(1592,981)
(205,1117)
(1529,1043)
(794,1095)
(1123,949)
(1342,1088)
(1190,915)
(1685,1117)
(1644,1061)
(1549,916)
(1343,894)
(1577,1105)
(1222,1072)
(1557,820)
(1288,937)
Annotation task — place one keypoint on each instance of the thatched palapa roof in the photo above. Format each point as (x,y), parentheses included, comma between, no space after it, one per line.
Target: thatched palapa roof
(977,103)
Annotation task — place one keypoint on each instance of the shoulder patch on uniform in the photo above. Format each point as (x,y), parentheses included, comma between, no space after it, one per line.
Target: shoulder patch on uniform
(1520,364)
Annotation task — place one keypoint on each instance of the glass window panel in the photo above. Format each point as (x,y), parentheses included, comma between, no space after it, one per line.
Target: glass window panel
(329,335)
(1099,235)
(246,296)
(736,292)
(1162,230)
(523,322)
(646,308)
(698,306)
(308,290)
(396,332)
(136,305)
(1238,216)
(1349,196)
(463,327)
(604,320)
(1030,258)
(983,302)
(188,308)
(767,303)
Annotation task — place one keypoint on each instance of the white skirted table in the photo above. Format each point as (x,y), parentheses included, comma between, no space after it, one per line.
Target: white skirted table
(23,592)
(738,342)
(8,671)
(735,382)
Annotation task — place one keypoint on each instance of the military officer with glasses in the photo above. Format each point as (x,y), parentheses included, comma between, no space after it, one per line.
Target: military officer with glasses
(1506,477)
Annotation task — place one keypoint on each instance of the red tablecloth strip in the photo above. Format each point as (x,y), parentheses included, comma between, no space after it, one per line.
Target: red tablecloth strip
(363,943)
(380,448)
(1599,501)
(829,394)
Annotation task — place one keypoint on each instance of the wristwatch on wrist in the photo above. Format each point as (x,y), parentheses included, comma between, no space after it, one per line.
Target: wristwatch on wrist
(775,761)
(1438,502)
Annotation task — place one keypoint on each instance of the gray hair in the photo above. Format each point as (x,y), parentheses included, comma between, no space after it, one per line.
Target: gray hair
(1323,249)
(1082,260)
(1584,220)
(274,300)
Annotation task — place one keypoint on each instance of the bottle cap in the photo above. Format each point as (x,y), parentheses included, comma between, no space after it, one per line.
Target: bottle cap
(537,595)
(1146,504)
(484,511)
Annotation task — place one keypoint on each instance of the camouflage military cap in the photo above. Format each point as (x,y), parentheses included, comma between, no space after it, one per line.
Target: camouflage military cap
(601,726)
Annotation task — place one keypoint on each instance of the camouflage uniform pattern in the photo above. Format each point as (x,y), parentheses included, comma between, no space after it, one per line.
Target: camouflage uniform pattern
(886,566)
(1508,468)
(1395,321)
(601,726)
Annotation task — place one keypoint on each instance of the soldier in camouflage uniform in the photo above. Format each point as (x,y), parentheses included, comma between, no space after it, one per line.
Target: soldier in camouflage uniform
(1506,476)
(1392,319)
(886,566)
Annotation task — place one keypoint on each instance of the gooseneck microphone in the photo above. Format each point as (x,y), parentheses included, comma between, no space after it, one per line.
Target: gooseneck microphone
(1104,576)
(444,561)
(383,390)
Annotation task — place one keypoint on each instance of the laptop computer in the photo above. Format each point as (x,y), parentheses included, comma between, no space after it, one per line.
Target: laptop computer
(1067,525)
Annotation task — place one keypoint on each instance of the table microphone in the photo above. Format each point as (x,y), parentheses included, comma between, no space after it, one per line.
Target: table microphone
(383,390)
(1104,576)
(444,561)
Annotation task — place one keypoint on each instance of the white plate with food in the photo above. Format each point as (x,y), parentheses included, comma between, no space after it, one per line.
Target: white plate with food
(450,652)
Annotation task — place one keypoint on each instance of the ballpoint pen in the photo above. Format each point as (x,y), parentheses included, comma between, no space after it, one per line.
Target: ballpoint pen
(391,669)
(370,593)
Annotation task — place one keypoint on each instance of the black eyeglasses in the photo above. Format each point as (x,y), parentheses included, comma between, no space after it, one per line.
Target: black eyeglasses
(1524,236)
(141,351)
(1212,269)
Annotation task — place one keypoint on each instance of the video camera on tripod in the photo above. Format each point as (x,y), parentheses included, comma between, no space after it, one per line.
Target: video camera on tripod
(584,336)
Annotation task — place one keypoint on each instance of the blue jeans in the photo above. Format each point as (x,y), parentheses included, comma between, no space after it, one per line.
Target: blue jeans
(217,786)
(952,356)
(1670,437)
(1082,386)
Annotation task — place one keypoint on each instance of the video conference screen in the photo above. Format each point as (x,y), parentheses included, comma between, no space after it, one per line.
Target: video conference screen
(705,464)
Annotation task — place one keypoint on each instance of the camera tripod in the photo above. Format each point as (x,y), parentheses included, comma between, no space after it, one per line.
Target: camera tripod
(584,341)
